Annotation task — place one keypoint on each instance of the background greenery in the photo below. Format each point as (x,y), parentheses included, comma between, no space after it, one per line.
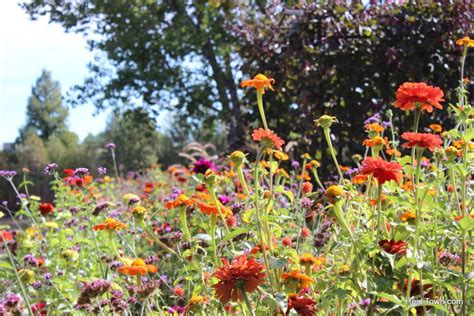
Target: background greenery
(187,57)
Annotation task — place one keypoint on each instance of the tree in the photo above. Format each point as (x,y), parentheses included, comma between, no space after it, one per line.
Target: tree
(171,54)
(45,111)
(32,153)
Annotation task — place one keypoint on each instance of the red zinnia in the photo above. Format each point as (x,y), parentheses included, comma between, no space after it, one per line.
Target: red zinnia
(423,140)
(304,306)
(411,94)
(244,274)
(5,236)
(394,247)
(46,208)
(381,170)
(267,136)
(68,172)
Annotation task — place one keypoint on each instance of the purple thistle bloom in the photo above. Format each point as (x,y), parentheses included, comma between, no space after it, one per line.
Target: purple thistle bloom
(47,276)
(202,165)
(224,199)
(49,169)
(102,170)
(365,302)
(8,174)
(81,172)
(110,146)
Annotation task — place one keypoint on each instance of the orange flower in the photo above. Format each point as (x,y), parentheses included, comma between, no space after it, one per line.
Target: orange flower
(138,266)
(309,259)
(408,186)
(180,201)
(412,94)
(244,274)
(375,141)
(208,209)
(268,137)
(260,82)
(423,140)
(374,127)
(436,128)
(465,41)
(110,224)
(297,279)
(360,179)
(407,216)
(393,151)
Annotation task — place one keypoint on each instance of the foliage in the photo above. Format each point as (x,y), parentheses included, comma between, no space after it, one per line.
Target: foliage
(45,113)
(391,234)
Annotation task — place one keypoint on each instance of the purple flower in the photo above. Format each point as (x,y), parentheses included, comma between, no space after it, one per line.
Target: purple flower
(81,172)
(102,170)
(376,118)
(365,302)
(47,276)
(49,169)
(307,203)
(224,199)
(110,146)
(352,305)
(8,174)
(29,259)
(295,164)
(202,165)
(37,284)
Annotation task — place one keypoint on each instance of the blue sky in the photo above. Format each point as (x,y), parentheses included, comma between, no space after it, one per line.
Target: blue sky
(26,47)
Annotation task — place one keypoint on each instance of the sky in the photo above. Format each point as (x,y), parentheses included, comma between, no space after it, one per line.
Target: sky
(27,47)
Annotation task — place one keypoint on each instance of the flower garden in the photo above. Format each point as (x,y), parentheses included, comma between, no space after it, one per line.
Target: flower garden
(255,233)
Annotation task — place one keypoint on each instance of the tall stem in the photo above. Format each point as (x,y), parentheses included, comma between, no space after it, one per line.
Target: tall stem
(333,154)
(260,109)
(213,238)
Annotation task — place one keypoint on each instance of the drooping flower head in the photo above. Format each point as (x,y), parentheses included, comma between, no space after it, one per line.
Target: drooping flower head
(422,140)
(138,266)
(380,169)
(412,94)
(260,82)
(243,274)
(268,138)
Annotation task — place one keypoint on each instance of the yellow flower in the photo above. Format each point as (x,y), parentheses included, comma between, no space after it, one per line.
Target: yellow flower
(279,155)
(260,82)
(130,198)
(50,225)
(333,192)
(465,41)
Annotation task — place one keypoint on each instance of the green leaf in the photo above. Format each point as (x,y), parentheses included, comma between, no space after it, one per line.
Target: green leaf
(5,265)
(236,232)
(392,298)
(277,263)
(467,223)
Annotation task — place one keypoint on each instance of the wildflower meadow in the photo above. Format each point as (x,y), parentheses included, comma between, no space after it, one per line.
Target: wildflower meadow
(253,232)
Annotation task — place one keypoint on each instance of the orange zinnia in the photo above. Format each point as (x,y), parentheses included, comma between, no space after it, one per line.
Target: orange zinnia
(298,279)
(374,127)
(243,274)
(375,141)
(260,82)
(180,201)
(465,41)
(423,140)
(110,224)
(268,137)
(412,94)
(138,266)
(209,209)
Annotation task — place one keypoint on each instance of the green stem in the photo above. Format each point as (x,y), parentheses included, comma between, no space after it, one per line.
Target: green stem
(184,222)
(213,238)
(247,302)
(241,176)
(333,154)
(260,108)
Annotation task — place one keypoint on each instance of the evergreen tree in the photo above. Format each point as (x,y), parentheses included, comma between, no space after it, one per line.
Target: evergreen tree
(45,111)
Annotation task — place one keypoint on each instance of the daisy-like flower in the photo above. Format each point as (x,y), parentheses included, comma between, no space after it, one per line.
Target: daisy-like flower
(110,224)
(260,82)
(243,274)
(394,247)
(407,216)
(304,306)
(374,127)
(380,169)
(179,201)
(46,208)
(268,138)
(333,193)
(138,266)
(297,280)
(437,128)
(203,165)
(465,41)
(412,94)
(375,141)
(423,140)
(210,208)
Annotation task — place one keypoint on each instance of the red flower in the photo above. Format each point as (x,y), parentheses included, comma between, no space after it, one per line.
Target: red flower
(307,187)
(286,241)
(394,247)
(411,94)
(68,172)
(423,140)
(39,309)
(5,236)
(178,291)
(46,208)
(244,274)
(304,306)
(381,170)
(268,137)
